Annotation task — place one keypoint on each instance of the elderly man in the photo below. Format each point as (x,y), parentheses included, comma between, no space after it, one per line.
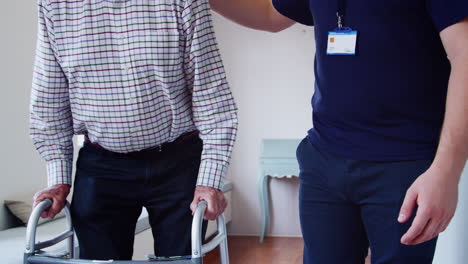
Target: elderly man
(144,82)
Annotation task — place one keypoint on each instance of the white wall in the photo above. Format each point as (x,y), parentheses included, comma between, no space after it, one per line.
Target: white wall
(271,76)
(21,168)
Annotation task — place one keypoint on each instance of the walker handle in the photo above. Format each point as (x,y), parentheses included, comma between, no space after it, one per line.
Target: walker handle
(198,249)
(31,245)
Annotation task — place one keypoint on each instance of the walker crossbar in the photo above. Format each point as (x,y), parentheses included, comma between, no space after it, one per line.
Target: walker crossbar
(34,255)
(50,260)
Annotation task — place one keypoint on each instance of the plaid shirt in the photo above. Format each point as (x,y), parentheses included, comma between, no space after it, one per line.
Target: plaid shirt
(132,75)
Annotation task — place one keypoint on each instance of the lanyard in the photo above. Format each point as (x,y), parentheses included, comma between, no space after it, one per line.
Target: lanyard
(342,40)
(340,12)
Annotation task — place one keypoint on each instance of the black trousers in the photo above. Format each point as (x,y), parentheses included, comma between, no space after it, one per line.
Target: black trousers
(348,205)
(111,189)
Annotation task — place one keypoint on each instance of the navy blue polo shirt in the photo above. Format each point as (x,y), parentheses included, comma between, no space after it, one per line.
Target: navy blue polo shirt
(387,103)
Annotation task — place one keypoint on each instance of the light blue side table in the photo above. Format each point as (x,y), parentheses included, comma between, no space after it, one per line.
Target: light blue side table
(278,160)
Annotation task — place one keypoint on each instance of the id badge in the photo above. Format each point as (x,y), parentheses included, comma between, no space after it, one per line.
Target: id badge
(342,41)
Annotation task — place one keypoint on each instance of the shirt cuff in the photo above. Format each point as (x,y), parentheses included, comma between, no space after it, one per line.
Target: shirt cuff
(59,172)
(212,174)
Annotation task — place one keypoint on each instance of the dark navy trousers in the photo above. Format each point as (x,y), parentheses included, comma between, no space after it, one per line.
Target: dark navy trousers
(110,190)
(348,205)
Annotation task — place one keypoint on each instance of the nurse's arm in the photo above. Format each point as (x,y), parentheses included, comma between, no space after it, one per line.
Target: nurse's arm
(453,147)
(255,14)
(436,191)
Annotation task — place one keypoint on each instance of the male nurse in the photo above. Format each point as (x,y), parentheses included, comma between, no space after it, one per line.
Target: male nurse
(382,163)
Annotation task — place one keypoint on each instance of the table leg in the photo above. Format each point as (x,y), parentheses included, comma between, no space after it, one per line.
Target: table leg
(263,194)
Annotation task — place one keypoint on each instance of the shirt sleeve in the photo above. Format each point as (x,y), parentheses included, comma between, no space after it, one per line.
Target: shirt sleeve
(50,115)
(213,106)
(445,13)
(297,10)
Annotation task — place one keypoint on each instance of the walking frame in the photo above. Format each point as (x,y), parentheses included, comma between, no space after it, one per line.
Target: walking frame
(35,255)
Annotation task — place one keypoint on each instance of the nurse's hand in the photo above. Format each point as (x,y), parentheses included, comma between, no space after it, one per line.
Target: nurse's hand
(436,195)
(58,194)
(215,199)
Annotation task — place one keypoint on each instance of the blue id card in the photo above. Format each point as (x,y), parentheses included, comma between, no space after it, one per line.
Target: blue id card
(342,41)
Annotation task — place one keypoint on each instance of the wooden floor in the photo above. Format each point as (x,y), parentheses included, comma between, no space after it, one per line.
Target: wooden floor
(247,250)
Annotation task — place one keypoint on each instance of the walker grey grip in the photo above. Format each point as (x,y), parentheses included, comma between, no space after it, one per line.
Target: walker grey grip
(198,250)
(31,230)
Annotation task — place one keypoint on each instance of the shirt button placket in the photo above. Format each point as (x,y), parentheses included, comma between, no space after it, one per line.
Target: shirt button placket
(130,72)
(121,22)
